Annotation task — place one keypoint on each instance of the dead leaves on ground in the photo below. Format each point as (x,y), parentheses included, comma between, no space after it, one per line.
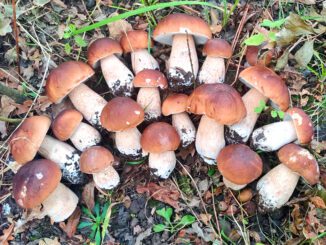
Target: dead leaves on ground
(88,195)
(71,226)
(7,235)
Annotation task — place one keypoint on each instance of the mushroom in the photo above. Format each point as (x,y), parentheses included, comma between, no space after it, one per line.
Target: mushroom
(182,32)
(98,161)
(37,186)
(149,95)
(122,115)
(264,84)
(213,68)
(67,79)
(117,76)
(160,139)
(296,125)
(276,187)
(176,105)
(220,105)
(68,125)
(137,43)
(253,56)
(239,165)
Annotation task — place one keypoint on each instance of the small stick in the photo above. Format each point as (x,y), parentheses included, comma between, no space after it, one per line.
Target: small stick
(16,33)
(10,120)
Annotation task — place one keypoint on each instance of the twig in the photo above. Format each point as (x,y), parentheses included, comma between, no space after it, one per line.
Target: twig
(10,120)
(238,66)
(12,93)
(16,33)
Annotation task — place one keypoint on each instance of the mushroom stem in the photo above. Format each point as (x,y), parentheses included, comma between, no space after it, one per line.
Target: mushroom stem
(212,71)
(150,101)
(232,185)
(128,142)
(184,127)
(276,187)
(162,164)
(117,76)
(85,136)
(89,103)
(209,139)
(107,179)
(273,136)
(65,156)
(141,60)
(240,132)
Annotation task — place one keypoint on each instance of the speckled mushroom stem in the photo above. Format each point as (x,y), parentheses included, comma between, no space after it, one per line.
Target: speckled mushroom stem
(141,59)
(150,101)
(162,164)
(232,185)
(85,136)
(184,127)
(128,142)
(107,179)
(212,71)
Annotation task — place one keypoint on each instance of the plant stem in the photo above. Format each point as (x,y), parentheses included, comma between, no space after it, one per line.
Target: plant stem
(10,120)
(16,34)
(12,93)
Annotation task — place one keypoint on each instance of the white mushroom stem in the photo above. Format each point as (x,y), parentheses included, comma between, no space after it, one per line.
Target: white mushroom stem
(141,59)
(107,179)
(240,132)
(184,127)
(85,136)
(232,185)
(89,103)
(162,164)
(212,71)
(276,187)
(150,101)
(273,136)
(209,139)
(65,156)
(117,76)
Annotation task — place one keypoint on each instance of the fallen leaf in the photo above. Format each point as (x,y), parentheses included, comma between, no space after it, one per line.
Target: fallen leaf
(205,218)
(117,28)
(88,195)
(318,202)
(48,241)
(305,53)
(297,224)
(188,151)
(41,3)
(7,235)
(71,226)
(282,61)
(6,108)
(4,26)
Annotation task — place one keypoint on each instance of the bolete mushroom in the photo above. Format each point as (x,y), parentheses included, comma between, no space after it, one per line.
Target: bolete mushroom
(255,55)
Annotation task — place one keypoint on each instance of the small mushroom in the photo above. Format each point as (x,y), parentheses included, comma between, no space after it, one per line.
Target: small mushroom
(137,43)
(182,32)
(98,161)
(37,186)
(117,75)
(239,165)
(213,69)
(256,56)
(176,105)
(297,125)
(276,187)
(68,125)
(160,139)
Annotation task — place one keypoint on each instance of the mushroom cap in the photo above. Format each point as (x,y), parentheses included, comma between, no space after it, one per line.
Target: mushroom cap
(252,58)
(63,79)
(239,164)
(65,124)
(218,48)
(121,113)
(302,124)
(95,159)
(160,137)
(218,101)
(174,104)
(301,161)
(27,139)
(134,40)
(268,83)
(102,48)
(149,78)
(174,24)
(34,182)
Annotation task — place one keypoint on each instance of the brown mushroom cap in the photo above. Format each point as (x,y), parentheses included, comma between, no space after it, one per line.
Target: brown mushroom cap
(302,124)
(102,48)
(63,79)
(27,139)
(218,101)
(65,124)
(239,164)
(134,40)
(174,24)
(217,48)
(160,137)
(174,103)
(149,78)
(252,58)
(121,113)
(301,161)
(268,83)
(34,182)
(95,159)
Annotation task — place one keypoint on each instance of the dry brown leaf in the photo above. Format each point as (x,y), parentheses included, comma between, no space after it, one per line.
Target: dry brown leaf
(71,226)
(205,218)
(48,241)
(6,108)
(88,195)
(117,28)
(297,224)
(185,152)
(7,235)
(318,202)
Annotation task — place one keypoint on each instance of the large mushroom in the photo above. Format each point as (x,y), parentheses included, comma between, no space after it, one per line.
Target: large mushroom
(37,186)
(68,79)
(276,187)
(160,139)
(296,126)
(137,43)
(220,105)
(176,105)
(213,68)
(182,32)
